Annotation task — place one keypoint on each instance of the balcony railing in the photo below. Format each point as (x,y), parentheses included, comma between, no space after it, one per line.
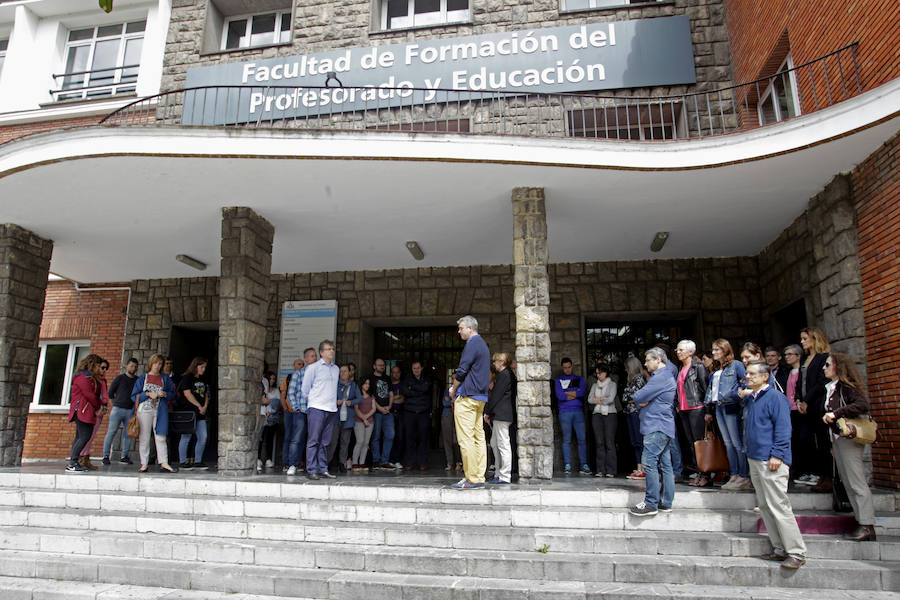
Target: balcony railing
(96,83)
(805,88)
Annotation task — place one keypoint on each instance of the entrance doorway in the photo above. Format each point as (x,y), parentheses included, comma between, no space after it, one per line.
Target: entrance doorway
(612,342)
(186,342)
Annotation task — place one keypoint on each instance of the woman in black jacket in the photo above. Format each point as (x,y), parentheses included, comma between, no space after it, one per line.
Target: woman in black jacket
(846,399)
(499,413)
(812,394)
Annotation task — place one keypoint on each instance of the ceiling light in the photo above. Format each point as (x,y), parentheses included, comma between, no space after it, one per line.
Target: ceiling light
(191,262)
(415,249)
(659,240)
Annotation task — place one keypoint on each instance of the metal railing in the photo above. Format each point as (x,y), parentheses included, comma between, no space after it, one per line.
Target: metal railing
(800,90)
(96,82)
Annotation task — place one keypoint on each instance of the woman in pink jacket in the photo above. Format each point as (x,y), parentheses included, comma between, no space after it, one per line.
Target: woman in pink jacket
(86,403)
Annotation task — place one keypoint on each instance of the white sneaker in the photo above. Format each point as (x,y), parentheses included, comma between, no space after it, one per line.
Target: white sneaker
(397,465)
(269,464)
(803,479)
(813,480)
(292,470)
(258,465)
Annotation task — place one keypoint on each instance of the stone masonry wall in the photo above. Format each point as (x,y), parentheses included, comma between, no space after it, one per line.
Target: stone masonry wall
(817,258)
(321,26)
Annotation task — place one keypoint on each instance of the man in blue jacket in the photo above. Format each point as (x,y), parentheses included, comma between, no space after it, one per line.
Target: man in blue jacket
(471,380)
(767,436)
(656,401)
(570,390)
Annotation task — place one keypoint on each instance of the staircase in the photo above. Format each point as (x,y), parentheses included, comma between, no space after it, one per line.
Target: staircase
(118,535)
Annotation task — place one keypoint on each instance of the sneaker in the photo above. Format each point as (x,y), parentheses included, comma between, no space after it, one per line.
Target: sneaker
(642,510)
(568,469)
(75,468)
(328,475)
(186,466)
(636,475)
(105,460)
(292,470)
(397,465)
(599,474)
(802,480)
(585,470)
(259,466)
(493,480)
(270,463)
(199,466)
(465,484)
(610,475)
(743,483)
(665,508)
(125,461)
(813,480)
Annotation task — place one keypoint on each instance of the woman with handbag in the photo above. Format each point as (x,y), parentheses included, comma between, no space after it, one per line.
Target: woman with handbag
(723,398)
(193,395)
(151,394)
(847,400)
(86,404)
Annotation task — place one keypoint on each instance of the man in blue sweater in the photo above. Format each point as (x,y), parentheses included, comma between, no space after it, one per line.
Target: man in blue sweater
(570,390)
(470,392)
(767,436)
(656,400)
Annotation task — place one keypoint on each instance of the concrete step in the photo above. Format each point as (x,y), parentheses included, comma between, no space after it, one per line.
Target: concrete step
(539,572)
(562,546)
(26,588)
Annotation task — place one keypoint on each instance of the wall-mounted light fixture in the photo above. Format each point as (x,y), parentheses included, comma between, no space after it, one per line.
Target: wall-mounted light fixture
(659,240)
(415,249)
(191,262)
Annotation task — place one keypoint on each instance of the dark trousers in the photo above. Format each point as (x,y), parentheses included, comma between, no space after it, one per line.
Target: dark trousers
(271,435)
(448,436)
(320,425)
(605,437)
(693,426)
(416,428)
(83,432)
(335,439)
(801,443)
(634,434)
(399,447)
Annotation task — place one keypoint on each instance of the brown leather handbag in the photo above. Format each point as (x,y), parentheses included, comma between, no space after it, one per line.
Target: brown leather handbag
(134,427)
(711,454)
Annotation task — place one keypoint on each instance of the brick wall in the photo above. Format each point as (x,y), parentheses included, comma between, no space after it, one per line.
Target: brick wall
(98,316)
(813,30)
(11,132)
(876,192)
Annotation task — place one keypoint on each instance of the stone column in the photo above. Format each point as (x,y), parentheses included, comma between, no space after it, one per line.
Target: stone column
(243,305)
(532,301)
(24,267)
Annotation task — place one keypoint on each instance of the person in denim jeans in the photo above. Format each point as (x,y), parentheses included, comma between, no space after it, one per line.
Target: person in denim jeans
(123,408)
(635,381)
(722,394)
(658,428)
(570,390)
(295,408)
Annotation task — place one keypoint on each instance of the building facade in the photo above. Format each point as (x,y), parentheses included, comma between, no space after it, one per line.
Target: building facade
(535,202)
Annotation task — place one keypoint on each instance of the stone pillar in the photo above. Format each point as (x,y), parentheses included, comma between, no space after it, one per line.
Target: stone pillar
(243,305)
(532,301)
(24,267)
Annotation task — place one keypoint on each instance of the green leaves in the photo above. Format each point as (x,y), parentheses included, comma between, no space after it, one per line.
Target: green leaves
(106,5)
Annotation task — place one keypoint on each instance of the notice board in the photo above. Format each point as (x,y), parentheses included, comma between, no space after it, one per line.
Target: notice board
(304,323)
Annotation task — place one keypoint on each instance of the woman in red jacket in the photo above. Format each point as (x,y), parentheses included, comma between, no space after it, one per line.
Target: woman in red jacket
(87,400)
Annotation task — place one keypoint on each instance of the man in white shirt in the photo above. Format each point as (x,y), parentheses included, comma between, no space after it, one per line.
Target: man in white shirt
(319,390)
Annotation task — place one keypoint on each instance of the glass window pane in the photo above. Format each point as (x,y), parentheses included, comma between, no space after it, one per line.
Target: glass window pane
(109,30)
(397,8)
(457,5)
(262,29)
(76,62)
(132,57)
(3,45)
(80,352)
(54,374)
(135,27)
(427,6)
(576,4)
(81,34)
(105,54)
(237,34)
(285,35)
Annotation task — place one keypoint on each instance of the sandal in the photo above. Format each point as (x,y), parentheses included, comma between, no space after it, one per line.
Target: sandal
(704,481)
(143,469)
(168,470)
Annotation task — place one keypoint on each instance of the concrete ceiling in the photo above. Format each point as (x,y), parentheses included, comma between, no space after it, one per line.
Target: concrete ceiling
(121,203)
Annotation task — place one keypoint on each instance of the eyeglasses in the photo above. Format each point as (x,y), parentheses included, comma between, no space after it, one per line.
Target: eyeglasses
(104,368)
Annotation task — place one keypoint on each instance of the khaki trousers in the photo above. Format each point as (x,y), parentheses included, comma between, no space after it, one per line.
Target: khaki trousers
(468,415)
(848,456)
(775,508)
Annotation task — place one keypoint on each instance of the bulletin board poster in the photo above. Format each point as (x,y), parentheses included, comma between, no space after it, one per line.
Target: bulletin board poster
(304,323)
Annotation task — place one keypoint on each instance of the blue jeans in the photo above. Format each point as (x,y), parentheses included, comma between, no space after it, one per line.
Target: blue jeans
(634,434)
(675,454)
(321,428)
(384,425)
(200,432)
(656,457)
(567,422)
(730,426)
(117,416)
(293,449)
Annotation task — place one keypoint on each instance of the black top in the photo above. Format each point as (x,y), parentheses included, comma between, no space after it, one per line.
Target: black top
(120,391)
(501,405)
(197,388)
(381,389)
(814,390)
(417,394)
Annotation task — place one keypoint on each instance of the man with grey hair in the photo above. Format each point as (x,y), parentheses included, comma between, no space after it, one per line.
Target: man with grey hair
(767,437)
(658,428)
(689,403)
(470,393)
(319,389)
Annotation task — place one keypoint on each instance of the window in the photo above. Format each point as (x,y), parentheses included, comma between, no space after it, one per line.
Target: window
(654,121)
(399,14)
(102,61)
(56,366)
(256,30)
(3,45)
(779,100)
(570,5)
